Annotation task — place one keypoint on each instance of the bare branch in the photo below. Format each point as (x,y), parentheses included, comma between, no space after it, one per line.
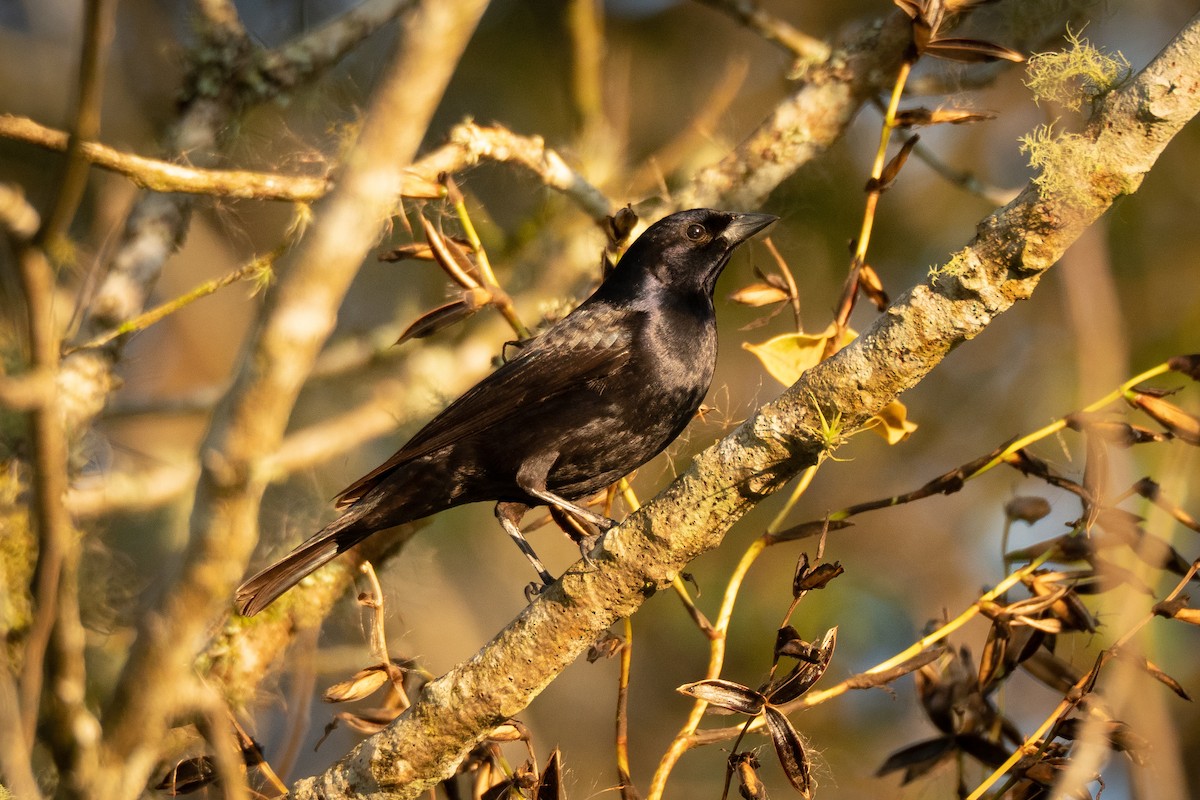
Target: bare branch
(806,49)
(805,123)
(300,313)
(168,176)
(311,54)
(98,24)
(55,598)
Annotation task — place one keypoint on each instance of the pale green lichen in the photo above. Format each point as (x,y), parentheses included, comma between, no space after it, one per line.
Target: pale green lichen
(1081,72)
(1066,164)
(957,265)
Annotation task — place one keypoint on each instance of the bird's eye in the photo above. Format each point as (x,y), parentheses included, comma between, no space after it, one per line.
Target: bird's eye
(696,232)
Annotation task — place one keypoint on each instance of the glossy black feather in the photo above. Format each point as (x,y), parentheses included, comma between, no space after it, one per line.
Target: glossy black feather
(583,404)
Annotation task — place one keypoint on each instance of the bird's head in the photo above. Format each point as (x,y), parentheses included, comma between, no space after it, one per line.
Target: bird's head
(687,250)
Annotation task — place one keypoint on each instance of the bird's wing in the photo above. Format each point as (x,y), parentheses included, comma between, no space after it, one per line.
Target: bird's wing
(562,358)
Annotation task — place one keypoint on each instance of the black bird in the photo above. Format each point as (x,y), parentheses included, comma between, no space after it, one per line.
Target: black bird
(580,406)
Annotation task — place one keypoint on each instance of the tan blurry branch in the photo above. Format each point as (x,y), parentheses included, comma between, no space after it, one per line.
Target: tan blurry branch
(248,425)
(1003,264)
(806,49)
(468,145)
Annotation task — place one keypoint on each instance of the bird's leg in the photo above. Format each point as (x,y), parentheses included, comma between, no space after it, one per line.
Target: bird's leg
(509,515)
(531,477)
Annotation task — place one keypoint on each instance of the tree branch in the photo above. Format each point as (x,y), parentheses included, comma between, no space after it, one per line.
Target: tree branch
(249,424)
(1002,264)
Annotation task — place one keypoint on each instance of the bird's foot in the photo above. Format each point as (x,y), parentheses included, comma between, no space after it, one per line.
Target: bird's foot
(533,590)
(605,524)
(586,545)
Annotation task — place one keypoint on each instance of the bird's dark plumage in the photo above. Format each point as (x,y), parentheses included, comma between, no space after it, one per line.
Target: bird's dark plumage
(580,406)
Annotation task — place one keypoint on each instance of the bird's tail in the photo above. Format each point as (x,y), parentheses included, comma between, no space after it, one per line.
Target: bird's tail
(338,536)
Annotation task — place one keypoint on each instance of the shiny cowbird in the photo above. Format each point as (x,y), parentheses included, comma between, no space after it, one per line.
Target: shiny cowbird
(586,402)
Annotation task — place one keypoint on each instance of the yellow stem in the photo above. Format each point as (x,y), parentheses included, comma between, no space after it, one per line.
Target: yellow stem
(622,744)
(885,135)
(1059,424)
(500,299)
(716,660)
(802,485)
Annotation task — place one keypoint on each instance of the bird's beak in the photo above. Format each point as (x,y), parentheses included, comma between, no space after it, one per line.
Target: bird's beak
(742,226)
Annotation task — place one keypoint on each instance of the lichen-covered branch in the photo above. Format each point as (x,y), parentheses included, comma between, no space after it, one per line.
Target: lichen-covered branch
(806,122)
(1003,264)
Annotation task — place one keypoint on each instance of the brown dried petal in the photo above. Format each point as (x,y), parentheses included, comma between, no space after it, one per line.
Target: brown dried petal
(818,577)
(725,694)
(451,257)
(368,721)
(1027,509)
(749,785)
(970,51)
(417,187)
(757,295)
(607,645)
(1181,424)
(187,776)
(550,785)
(807,672)
(1155,672)
(893,167)
(511,731)
(1189,365)
(785,637)
(419,251)
(872,287)
(438,319)
(362,684)
(790,749)
(913,117)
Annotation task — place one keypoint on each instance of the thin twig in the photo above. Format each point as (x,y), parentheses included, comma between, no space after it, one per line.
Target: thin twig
(48,460)
(805,48)
(98,24)
(263,265)
(628,792)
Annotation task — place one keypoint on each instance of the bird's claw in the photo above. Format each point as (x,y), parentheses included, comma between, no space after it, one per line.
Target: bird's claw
(586,545)
(605,524)
(532,590)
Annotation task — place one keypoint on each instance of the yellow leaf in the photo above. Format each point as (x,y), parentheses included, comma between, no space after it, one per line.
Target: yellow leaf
(893,423)
(787,356)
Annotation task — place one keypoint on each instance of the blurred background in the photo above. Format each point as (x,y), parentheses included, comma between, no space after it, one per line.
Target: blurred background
(1126,297)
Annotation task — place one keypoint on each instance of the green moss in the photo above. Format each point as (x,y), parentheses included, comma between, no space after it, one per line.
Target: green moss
(18,553)
(1081,72)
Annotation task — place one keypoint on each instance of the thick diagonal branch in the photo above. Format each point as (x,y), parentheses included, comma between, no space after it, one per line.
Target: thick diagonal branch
(1003,264)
